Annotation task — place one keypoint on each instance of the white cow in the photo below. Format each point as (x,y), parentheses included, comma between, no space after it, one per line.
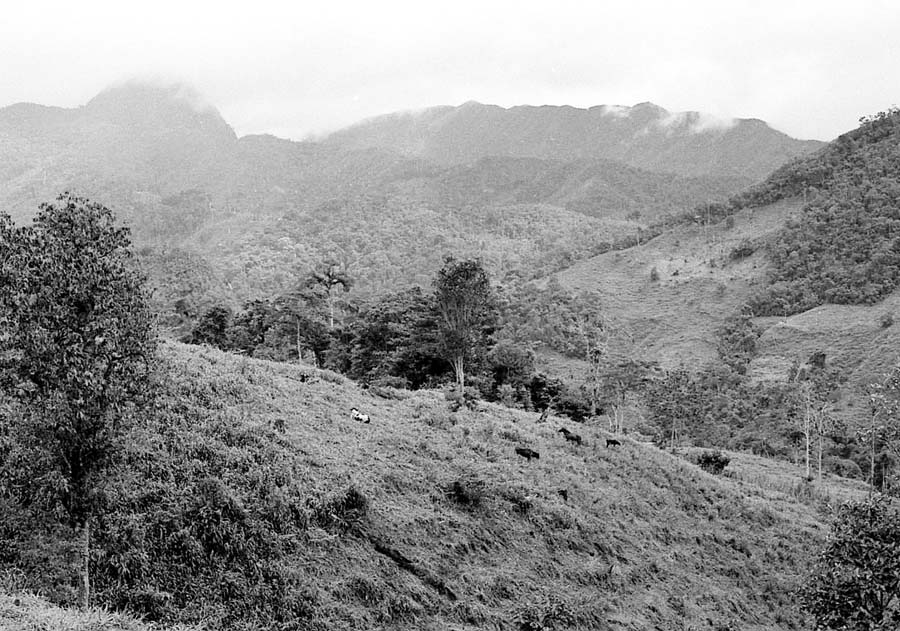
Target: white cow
(356,415)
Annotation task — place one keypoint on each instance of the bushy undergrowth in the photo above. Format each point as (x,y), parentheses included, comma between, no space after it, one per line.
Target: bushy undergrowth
(713,461)
(203,516)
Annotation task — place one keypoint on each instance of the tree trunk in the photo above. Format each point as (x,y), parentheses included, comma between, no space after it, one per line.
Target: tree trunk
(806,433)
(616,424)
(299,350)
(458,368)
(872,457)
(84,588)
(820,456)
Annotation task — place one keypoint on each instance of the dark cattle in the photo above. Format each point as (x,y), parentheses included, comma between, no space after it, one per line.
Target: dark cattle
(564,493)
(527,453)
(569,436)
(817,359)
(612,442)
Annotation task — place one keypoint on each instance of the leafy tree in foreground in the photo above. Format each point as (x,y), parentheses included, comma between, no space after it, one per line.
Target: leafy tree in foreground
(76,339)
(465,302)
(856,583)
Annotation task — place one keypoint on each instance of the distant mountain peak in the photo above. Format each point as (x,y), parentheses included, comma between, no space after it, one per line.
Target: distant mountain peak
(153,102)
(132,91)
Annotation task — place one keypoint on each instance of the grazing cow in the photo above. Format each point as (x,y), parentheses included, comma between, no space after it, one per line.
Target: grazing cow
(564,493)
(612,442)
(569,436)
(544,414)
(356,415)
(527,453)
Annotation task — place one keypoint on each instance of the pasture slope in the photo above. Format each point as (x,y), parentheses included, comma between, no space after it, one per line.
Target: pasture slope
(673,320)
(461,533)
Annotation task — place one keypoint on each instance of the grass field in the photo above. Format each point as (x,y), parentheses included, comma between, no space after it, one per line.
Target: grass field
(674,318)
(462,533)
(28,612)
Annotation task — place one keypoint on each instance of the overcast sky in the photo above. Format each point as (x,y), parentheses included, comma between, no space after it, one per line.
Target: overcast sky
(809,68)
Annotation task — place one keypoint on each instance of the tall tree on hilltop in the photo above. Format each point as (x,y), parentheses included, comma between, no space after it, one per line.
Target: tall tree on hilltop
(465,302)
(76,342)
(329,275)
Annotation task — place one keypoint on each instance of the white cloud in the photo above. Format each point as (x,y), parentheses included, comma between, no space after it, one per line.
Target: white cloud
(616,111)
(694,123)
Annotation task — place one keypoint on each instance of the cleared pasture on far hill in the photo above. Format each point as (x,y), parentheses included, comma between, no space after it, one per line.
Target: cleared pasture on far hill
(459,532)
(861,340)
(673,320)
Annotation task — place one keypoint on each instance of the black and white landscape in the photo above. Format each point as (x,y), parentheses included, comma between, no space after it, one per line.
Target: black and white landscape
(289,342)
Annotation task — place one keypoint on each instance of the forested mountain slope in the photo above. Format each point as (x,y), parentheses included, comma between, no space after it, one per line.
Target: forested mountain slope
(290,511)
(810,254)
(259,210)
(645,136)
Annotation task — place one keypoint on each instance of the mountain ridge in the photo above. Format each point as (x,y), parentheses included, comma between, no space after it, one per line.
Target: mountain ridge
(230,193)
(644,135)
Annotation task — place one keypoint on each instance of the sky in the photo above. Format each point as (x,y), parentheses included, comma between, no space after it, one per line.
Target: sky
(808,68)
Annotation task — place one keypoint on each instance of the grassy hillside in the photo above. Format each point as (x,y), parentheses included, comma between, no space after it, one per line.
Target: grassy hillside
(701,281)
(28,612)
(859,339)
(456,531)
